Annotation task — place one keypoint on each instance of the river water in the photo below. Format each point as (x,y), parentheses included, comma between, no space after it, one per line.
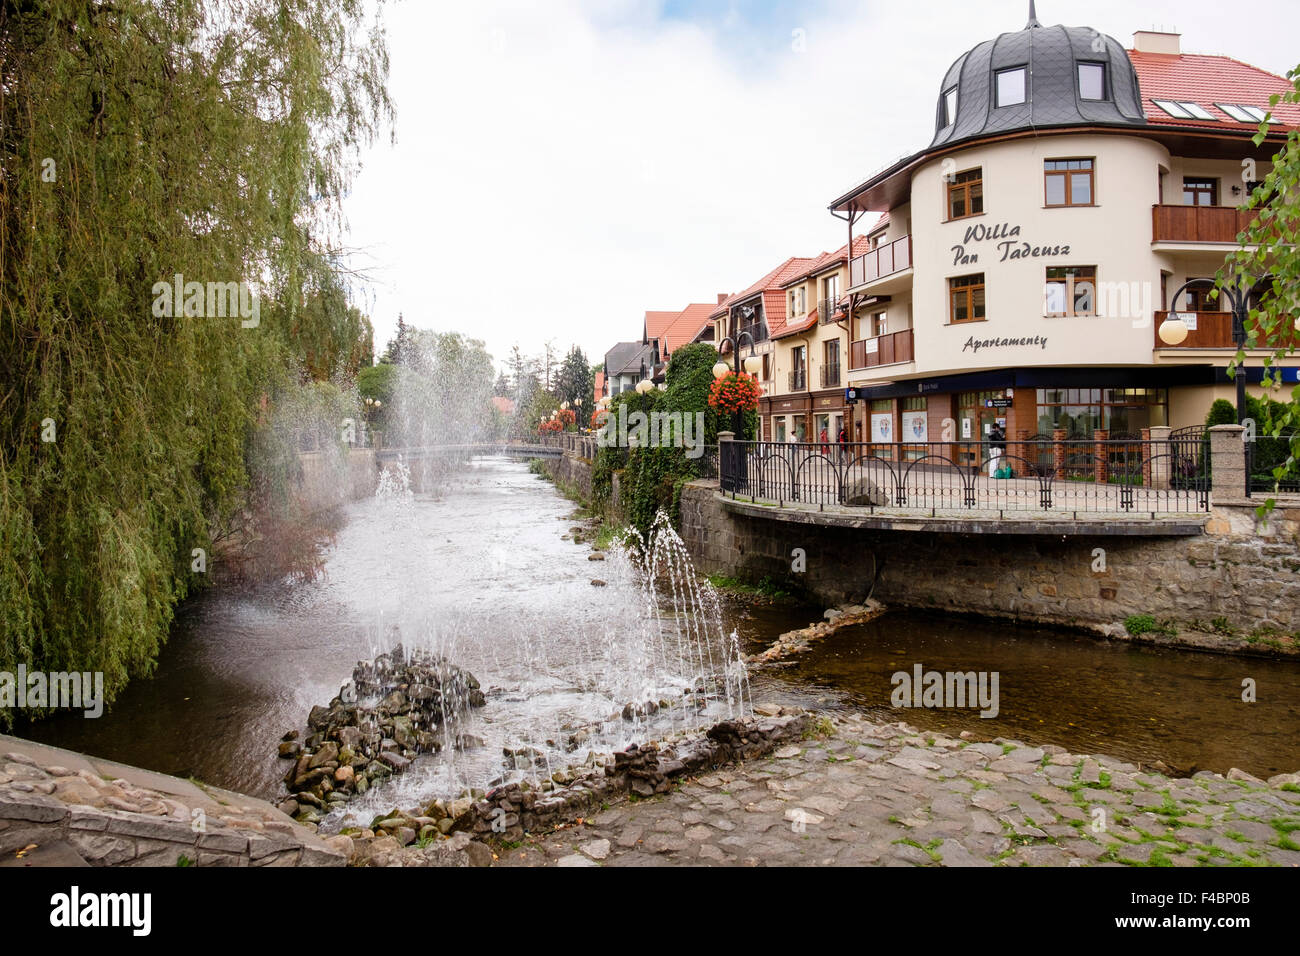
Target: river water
(481,572)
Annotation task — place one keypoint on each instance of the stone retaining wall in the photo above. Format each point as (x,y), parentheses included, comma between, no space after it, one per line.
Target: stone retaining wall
(328,480)
(58,807)
(1239,570)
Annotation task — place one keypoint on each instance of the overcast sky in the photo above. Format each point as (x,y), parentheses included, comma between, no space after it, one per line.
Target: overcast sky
(562,166)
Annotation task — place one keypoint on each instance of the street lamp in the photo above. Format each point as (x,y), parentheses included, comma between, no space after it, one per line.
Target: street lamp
(752,364)
(1173,330)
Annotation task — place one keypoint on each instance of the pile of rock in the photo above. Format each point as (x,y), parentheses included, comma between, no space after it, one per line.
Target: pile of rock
(801,640)
(647,769)
(390,711)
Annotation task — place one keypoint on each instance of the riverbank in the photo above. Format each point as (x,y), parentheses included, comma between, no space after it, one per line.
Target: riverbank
(867,793)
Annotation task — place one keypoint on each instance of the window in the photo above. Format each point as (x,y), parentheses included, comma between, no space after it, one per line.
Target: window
(1070,290)
(879,326)
(831,288)
(1068,182)
(966,299)
(1181,109)
(950,106)
(1010,86)
(797,302)
(832,352)
(1246,114)
(1200,192)
(966,194)
(1092,81)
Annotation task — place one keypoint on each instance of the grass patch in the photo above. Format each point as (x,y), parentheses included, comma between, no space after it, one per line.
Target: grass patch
(1138,624)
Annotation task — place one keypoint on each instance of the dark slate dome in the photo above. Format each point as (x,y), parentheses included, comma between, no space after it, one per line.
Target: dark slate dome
(1054,91)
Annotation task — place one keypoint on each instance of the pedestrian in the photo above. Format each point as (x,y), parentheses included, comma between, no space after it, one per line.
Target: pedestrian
(826,448)
(997,445)
(842,439)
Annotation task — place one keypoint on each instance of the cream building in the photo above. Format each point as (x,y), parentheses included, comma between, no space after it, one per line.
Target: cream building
(1029,254)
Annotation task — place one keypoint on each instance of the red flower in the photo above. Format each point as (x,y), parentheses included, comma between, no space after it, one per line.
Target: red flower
(735,392)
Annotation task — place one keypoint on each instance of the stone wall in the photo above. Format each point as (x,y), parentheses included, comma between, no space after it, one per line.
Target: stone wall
(328,480)
(58,807)
(573,470)
(1238,569)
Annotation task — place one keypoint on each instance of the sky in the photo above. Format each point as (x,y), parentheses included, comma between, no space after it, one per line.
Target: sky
(563,166)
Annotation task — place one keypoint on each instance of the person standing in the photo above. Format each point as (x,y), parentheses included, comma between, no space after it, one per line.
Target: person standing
(842,439)
(997,446)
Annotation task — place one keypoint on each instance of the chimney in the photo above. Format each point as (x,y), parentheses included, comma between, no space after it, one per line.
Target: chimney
(1156,41)
(722,297)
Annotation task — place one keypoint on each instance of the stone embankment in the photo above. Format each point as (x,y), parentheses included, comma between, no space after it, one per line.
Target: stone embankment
(859,792)
(59,808)
(479,826)
(802,639)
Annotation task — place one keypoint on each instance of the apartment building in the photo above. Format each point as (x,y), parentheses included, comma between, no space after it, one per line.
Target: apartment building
(1028,257)
(810,351)
(748,319)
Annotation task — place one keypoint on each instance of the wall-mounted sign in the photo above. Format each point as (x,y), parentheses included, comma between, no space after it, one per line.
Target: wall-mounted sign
(872,346)
(997,403)
(914,426)
(965,428)
(1009,247)
(852,395)
(1188,319)
(1029,341)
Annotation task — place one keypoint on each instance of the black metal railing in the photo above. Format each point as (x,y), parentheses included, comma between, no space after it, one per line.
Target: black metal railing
(831,375)
(1123,476)
(1266,457)
(798,380)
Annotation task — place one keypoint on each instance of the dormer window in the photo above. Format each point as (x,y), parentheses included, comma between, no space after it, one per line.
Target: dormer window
(1183,109)
(950,106)
(1092,81)
(1010,86)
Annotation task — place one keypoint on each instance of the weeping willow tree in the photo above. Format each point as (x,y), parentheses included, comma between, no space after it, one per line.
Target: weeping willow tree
(209,140)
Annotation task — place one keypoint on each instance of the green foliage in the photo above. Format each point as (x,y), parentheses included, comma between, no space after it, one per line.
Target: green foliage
(1222,412)
(1269,261)
(1146,624)
(211,139)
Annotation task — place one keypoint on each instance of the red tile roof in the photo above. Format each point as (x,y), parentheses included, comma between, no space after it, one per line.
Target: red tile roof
(657,322)
(600,385)
(685,326)
(771,281)
(1208,80)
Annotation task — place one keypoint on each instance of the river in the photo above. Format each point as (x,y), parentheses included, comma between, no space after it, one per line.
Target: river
(482,573)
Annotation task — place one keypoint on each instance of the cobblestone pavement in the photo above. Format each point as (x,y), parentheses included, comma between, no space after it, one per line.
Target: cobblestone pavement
(889,795)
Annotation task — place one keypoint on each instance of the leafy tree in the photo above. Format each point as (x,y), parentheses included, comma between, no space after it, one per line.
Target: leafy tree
(1268,250)
(141,141)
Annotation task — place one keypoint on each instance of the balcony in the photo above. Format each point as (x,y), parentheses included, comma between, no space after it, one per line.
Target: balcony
(798,380)
(831,375)
(891,258)
(888,349)
(826,312)
(1197,224)
(1213,330)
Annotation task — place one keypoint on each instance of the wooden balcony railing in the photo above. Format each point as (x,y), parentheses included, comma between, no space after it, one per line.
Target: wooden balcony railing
(881,350)
(878,263)
(1198,223)
(1214,331)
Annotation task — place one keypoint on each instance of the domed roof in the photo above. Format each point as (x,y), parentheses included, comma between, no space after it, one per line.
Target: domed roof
(1040,76)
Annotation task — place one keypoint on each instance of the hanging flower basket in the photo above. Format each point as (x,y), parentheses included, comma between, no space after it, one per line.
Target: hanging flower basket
(735,392)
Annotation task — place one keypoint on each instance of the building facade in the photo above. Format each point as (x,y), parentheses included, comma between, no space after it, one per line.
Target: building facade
(1028,256)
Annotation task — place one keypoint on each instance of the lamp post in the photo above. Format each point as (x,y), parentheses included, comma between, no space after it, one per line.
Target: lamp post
(1173,330)
(752,365)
